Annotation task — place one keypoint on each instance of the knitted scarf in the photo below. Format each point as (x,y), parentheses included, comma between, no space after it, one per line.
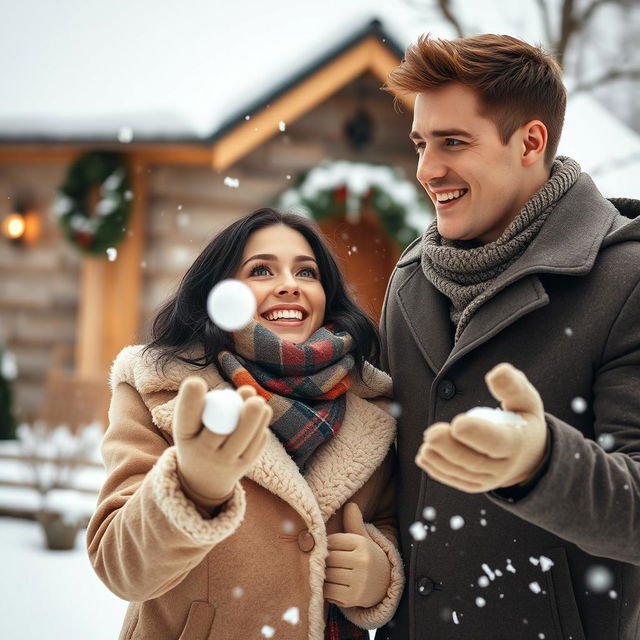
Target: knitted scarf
(304,384)
(464,273)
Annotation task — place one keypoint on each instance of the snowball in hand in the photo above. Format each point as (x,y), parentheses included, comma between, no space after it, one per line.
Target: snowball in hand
(231,305)
(221,411)
(497,416)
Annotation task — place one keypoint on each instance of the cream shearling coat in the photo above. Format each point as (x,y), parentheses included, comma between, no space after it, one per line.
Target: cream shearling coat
(191,577)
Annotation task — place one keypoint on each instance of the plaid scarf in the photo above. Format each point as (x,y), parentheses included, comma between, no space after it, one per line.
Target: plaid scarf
(304,384)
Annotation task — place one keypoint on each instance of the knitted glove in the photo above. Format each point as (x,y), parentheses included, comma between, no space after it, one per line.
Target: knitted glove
(475,455)
(358,571)
(209,465)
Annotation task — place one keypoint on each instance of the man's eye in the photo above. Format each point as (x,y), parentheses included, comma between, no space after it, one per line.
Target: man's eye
(418,147)
(453,142)
(259,270)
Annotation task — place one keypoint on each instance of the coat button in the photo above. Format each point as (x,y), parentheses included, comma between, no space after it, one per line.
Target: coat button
(446,389)
(306,541)
(425,586)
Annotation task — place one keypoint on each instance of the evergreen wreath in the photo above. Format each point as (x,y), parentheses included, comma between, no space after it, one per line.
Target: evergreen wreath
(101,175)
(342,187)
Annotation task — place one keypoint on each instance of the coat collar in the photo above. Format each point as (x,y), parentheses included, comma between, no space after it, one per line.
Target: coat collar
(567,244)
(337,469)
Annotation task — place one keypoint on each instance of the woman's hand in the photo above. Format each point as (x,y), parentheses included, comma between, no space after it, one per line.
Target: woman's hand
(209,464)
(358,571)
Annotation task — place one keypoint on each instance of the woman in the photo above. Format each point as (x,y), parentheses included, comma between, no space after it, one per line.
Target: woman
(247,535)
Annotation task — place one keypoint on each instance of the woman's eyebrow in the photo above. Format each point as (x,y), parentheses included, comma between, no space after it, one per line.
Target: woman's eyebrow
(270,256)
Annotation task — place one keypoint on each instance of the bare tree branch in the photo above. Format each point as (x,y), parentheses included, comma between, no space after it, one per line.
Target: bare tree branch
(445,9)
(593,7)
(609,76)
(546,22)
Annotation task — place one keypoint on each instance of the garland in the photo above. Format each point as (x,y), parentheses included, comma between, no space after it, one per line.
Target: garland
(99,176)
(348,188)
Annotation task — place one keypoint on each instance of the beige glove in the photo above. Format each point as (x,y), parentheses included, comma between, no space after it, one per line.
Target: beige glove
(209,464)
(358,571)
(475,455)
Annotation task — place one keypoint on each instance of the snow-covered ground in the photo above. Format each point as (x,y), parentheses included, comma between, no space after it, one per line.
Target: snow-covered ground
(52,594)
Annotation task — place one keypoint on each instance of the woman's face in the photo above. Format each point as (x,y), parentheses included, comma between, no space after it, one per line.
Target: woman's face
(280,268)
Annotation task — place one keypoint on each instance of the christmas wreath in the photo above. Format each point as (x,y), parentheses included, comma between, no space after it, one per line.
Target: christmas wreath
(348,188)
(98,177)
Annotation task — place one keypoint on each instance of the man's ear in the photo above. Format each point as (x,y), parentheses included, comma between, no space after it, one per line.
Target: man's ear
(534,138)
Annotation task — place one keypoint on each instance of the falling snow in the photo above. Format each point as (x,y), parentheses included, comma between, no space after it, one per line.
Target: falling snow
(480,602)
(282,125)
(112,254)
(418,531)
(483,581)
(456,522)
(267,631)
(579,405)
(291,615)
(125,135)
(535,587)
(232,183)
(606,441)
(598,578)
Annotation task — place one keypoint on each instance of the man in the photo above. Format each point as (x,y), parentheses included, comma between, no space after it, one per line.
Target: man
(529,528)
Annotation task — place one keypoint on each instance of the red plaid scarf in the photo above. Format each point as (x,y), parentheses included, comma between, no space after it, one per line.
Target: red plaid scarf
(304,384)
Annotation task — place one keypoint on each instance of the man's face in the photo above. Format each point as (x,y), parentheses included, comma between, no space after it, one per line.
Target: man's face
(474,180)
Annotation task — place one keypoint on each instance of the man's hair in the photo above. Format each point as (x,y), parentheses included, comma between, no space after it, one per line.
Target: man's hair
(514,81)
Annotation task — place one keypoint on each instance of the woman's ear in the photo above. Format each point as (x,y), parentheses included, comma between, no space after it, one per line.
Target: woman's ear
(534,142)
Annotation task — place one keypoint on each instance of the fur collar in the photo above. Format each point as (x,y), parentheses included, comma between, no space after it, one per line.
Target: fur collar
(337,470)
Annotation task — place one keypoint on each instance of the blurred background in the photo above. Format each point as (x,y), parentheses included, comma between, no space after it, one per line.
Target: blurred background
(131,132)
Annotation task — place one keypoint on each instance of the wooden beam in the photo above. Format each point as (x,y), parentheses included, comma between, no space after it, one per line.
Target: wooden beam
(295,103)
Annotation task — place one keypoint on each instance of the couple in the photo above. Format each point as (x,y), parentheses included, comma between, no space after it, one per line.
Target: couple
(524,293)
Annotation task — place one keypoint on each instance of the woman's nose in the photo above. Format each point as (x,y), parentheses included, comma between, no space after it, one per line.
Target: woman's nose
(287,285)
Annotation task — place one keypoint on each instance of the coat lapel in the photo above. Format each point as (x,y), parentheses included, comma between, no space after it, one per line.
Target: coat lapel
(567,244)
(426,312)
(336,471)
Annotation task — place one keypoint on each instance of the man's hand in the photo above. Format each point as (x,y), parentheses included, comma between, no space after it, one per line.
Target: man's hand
(358,570)
(209,464)
(475,455)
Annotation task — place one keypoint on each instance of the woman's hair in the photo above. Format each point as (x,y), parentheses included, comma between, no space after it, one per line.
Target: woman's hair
(183,322)
(514,81)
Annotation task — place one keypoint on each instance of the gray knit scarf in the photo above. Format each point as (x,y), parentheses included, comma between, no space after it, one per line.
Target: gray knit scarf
(463,273)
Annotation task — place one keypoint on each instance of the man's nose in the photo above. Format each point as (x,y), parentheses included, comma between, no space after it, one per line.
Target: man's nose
(430,167)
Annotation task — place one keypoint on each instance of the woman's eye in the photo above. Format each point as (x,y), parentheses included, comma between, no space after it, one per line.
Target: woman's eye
(260,270)
(308,272)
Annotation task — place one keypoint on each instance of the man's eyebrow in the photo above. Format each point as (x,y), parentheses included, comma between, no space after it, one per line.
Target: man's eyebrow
(441,133)
(271,257)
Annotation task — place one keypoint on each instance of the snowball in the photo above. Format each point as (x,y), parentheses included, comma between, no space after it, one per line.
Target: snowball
(231,305)
(221,411)
(480,602)
(267,631)
(535,587)
(578,405)
(112,254)
(456,522)
(497,416)
(232,183)
(429,513)
(599,578)
(291,615)
(418,531)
